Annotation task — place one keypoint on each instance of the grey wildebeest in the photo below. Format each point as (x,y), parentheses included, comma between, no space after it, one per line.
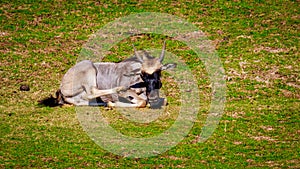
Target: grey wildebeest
(133,82)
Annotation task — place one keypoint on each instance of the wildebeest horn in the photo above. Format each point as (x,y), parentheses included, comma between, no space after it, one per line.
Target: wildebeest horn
(162,55)
(136,54)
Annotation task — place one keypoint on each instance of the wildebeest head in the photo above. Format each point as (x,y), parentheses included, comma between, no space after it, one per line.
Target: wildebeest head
(151,72)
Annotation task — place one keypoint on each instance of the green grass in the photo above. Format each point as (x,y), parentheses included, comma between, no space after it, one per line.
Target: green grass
(257,42)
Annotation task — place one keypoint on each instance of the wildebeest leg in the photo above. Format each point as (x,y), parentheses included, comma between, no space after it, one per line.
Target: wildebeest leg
(136,100)
(94,93)
(122,104)
(77,100)
(78,82)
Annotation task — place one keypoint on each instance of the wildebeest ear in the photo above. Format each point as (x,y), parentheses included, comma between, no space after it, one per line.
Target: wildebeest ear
(169,66)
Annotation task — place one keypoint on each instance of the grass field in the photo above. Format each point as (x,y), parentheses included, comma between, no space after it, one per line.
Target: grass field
(257,42)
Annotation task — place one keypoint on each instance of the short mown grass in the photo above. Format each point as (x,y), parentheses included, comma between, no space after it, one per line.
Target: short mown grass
(257,42)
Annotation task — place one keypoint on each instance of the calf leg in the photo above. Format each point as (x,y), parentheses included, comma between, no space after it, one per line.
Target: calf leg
(77,100)
(78,82)
(140,104)
(94,93)
(136,100)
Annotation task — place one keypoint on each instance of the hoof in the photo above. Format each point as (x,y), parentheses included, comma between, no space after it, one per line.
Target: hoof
(111,104)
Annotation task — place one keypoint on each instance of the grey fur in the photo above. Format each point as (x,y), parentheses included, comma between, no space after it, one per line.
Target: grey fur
(86,81)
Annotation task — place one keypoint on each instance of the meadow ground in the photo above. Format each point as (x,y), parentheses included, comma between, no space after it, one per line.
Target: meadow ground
(257,42)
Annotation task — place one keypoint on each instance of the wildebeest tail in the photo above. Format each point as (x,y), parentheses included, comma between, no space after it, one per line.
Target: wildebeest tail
(53,101)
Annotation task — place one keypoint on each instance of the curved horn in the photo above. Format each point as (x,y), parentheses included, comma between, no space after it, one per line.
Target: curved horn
(136,54)
(162,55)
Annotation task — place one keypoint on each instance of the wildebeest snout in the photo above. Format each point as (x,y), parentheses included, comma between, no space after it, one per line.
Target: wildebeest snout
(153,95)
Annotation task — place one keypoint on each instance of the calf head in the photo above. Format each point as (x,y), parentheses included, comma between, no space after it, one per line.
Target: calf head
(151,72)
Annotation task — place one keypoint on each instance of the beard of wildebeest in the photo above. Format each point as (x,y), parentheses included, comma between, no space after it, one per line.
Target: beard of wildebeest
(152,84)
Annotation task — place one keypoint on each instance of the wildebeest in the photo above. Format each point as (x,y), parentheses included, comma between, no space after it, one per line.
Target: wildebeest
(133,82)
